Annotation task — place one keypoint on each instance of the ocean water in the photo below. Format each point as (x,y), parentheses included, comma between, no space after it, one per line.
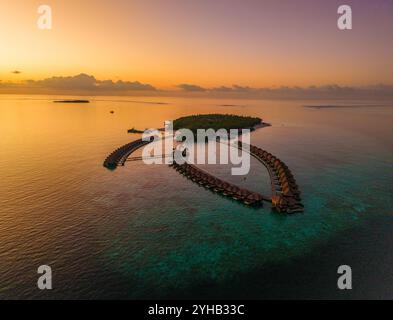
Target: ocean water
(143,232)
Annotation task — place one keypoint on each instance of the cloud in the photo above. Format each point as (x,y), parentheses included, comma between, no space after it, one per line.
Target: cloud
(79,82)
(196,88)
(312,92)
(16,72)
(223,89)
(235,88)
(124,85)
(84,82)
(191,87)
(328,91)
(242,89)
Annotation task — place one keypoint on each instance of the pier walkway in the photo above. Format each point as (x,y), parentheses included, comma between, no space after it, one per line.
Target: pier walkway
(220,186)
(285,191)
(120,155)
(285,194)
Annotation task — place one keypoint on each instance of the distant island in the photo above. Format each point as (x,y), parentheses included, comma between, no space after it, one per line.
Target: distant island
(133,130)
(335,106)
(71,101)
(218,121)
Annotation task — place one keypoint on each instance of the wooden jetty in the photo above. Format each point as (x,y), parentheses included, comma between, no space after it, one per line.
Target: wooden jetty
(285,191)
(120,155)
(220,186)
(285,195)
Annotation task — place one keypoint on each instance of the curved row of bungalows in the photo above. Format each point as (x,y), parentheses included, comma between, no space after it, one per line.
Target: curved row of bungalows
(217,185)
(119,156)
(287,198)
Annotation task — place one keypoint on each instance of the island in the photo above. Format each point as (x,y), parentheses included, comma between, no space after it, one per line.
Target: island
(218,121)
(133,130)
(285,193)
(71,101)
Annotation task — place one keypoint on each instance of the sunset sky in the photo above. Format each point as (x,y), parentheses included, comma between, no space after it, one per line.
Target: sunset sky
(210,43)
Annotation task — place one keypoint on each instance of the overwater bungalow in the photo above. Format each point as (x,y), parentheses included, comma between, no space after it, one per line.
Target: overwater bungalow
(253,198)
(277,163)
(280,171)
(205,178)
(291,185)
(232,189)
(239,194)
(259,154)
(283,178)
(271,160)
(288,194)
(220,185)
(287,185)
(225,188)
(285,193)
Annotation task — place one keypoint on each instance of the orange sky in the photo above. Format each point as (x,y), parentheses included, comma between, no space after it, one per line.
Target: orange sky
(209,43)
